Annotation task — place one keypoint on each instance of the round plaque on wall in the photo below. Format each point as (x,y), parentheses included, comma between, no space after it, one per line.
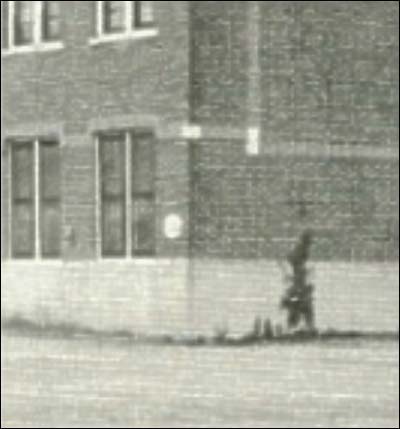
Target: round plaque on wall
(173,226)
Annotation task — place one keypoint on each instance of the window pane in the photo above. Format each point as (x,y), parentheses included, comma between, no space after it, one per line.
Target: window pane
(50,221)
(113,227)
(143,163)
(50,170)
(50,197)
(51,20)
(113,165)
(23,171)
(144,13)
(113,16)
(22,197)
(4,24)
(23,23)
(143,227)
(23,230)
(113,200)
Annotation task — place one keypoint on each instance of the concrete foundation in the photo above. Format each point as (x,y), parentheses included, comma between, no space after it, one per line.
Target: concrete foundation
(203,295)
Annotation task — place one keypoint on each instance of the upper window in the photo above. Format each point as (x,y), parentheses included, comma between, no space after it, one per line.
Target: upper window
(113,16)
(123,18)
(30,25)
(23,23)
(51,20)
(143,14)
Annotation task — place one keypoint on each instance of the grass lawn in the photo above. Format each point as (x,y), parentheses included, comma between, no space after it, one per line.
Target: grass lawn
(99,383)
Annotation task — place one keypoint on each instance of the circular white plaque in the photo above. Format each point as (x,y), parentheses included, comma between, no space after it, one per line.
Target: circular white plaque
(173,225)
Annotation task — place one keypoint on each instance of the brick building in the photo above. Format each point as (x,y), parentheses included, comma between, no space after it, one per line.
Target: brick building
(159,158)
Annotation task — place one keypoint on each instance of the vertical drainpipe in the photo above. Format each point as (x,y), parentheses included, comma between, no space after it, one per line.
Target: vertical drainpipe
(254,96)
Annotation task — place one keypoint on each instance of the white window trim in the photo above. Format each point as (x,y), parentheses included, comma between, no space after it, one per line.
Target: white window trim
(38,43)
(129,33)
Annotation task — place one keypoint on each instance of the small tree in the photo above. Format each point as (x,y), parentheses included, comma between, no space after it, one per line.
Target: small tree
(298,298)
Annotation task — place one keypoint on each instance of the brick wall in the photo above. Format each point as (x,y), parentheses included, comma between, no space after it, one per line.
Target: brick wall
(142,297)
(231,294)
(80,237)
(84,88)
(219,61)
(328,77)
(82,82)
(239,208)
(329,72)
(205,296)
(256,207)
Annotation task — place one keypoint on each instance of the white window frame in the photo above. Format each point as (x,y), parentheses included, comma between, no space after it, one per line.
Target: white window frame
(37,233)
(129,32)
(38,44)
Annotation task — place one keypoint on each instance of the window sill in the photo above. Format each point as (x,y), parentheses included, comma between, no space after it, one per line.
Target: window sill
(42,47)
(32,262)
(133,261)
(145,33)
(151,262)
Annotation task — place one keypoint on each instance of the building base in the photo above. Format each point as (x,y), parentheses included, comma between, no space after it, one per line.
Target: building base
(202,296)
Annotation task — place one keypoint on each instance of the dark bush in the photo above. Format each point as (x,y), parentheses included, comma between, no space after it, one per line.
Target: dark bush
(298,298)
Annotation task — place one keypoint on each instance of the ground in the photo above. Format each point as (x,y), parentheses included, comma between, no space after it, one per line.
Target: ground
(92,383)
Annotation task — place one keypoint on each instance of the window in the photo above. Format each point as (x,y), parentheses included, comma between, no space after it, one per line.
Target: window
(30,25)
(142,162)
(113,16)
(127,197)
(113,195)
(23,23)
(116,19)
(143,13)
(49,194)
(23,197)
(35,199)
(51,20)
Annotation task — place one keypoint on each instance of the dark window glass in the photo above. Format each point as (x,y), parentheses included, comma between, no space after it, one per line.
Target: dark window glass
(143,194)
(143,161)
(143,226)
(114,16)
(143,13)
(50,199)
(23,23)
(23,200)
(113,200)
(51,21)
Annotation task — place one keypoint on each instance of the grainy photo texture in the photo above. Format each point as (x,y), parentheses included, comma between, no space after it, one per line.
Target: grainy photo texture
(200,214)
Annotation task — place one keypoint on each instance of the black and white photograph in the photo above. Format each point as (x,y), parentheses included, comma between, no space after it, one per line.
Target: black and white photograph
(199,214)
